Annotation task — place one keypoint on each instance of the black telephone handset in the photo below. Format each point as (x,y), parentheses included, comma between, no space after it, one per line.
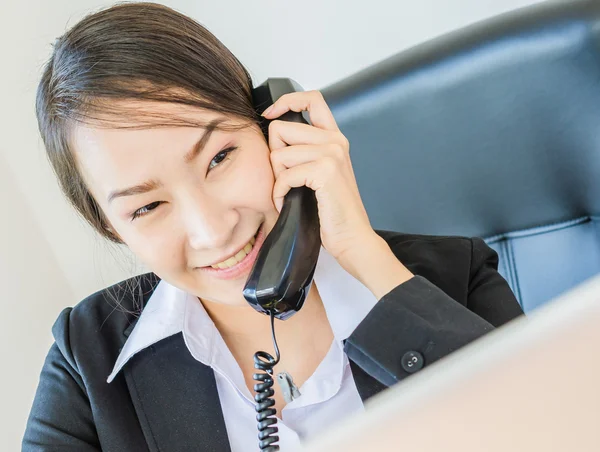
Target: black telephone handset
(284,268)
(283,271)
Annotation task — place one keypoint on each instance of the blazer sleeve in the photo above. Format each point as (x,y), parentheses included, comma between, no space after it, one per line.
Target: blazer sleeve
(417,323)
(61,417)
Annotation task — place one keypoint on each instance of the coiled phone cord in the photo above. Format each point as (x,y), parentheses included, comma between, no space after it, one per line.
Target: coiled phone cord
(266,415)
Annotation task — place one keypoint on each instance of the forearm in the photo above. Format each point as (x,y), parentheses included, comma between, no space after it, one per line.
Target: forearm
(412,326)
(431,314)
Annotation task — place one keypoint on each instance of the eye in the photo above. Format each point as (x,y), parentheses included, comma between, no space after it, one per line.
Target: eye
(220,157)
(145,210)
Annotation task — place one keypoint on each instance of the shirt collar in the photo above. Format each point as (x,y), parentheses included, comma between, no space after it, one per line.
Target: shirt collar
(162,317)
(345,299)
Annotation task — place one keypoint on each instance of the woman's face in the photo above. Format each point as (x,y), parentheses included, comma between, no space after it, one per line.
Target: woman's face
(188,214)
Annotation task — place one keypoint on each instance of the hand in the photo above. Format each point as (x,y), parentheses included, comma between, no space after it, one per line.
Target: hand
(317,156)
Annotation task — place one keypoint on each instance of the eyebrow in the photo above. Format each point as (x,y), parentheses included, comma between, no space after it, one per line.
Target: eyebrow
(189,157)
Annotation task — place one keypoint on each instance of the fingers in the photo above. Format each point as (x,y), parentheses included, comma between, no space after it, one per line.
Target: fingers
(285,133)
(311,101)
(311,174)
(291,156)
(305,154)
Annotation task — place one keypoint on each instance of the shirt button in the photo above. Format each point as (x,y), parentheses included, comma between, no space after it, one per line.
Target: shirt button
(412,361)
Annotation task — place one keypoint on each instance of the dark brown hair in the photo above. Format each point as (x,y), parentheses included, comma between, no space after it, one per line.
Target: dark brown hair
(131,51)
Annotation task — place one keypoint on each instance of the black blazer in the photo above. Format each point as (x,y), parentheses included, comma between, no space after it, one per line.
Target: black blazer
(165,400)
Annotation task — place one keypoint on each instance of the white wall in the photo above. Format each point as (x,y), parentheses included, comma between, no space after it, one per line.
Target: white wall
(33,290)
(41,240)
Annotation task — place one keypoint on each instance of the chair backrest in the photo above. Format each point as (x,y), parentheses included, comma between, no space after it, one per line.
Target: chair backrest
(490,131)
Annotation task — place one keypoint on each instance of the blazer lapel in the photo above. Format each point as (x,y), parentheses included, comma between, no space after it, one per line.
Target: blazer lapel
(176,399)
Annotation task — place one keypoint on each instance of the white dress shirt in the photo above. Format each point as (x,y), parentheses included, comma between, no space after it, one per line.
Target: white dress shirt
(328,395)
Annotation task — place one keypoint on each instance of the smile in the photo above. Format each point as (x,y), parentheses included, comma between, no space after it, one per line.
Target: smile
(240,263)
(238,257)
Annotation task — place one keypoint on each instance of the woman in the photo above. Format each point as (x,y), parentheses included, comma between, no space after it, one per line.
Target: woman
(149,125)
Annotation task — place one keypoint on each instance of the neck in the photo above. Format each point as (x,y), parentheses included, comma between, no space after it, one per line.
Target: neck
(243,323)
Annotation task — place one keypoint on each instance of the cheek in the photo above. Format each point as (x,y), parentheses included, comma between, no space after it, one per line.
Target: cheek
(258,180)
(160,252)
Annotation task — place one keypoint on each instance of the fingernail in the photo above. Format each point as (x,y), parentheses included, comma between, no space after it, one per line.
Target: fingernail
(267,111)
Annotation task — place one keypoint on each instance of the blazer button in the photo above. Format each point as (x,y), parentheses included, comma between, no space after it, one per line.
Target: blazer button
(412,361)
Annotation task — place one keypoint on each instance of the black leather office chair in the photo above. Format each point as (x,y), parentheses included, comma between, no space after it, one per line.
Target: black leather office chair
(489,131)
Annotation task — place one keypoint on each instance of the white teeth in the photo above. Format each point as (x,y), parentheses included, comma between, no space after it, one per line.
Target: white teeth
(237,258)
(230,262)
(240,255)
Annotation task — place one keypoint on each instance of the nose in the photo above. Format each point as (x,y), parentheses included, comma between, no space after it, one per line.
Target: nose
(209,224)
